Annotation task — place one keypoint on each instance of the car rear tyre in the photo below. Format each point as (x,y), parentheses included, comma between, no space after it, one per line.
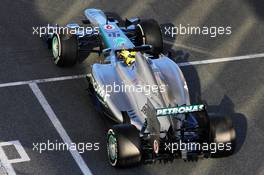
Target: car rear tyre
(203,121)
(123,145)
(148,32)
(222,132)
(64,49)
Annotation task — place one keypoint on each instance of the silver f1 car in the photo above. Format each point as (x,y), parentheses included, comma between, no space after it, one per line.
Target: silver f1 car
(142,90)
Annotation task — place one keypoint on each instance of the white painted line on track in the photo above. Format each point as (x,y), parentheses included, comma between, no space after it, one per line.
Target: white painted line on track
(192,48)
(58,126)
(6,164)
(219,60)
(18,83)
(209,61)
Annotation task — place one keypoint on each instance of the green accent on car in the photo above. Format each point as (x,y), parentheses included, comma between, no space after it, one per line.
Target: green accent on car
(119,41)
(55,47)
(105,38)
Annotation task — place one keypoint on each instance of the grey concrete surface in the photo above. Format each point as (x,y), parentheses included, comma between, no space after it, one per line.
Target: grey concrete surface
(230,88)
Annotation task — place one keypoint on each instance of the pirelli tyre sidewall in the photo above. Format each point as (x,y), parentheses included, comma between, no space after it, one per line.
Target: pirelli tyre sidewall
(64,49)
(56,46)
(123,145)
(112,147)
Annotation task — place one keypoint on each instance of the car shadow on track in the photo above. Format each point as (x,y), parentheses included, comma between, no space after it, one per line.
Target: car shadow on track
(257,7)
(226,106)
(238,119)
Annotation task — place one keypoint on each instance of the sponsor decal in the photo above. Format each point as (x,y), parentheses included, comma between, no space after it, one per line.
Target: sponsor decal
(109,27)
(179,110)
(119,41)
(114,34)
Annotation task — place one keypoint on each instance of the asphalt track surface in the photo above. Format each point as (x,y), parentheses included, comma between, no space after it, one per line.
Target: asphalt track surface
(234,88)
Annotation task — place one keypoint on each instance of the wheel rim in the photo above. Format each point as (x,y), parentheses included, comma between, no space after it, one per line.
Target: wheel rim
(112,148)
(55,47)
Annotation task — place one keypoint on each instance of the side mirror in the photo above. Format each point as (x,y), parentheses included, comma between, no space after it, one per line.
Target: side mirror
(106,52)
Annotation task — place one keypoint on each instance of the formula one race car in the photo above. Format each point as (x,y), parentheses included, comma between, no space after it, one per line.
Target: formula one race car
(142,90)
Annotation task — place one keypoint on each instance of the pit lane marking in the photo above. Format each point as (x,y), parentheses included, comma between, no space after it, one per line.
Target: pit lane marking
(19,83)
(6,163)
(58,126)
(202,62)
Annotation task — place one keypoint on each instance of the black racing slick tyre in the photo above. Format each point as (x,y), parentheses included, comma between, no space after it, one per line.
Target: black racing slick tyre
(203,121)
(148,32)
(64,49)
(223,135)
(123,145)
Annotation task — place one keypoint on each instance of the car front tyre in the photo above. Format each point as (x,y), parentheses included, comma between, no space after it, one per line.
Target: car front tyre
(64,49)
